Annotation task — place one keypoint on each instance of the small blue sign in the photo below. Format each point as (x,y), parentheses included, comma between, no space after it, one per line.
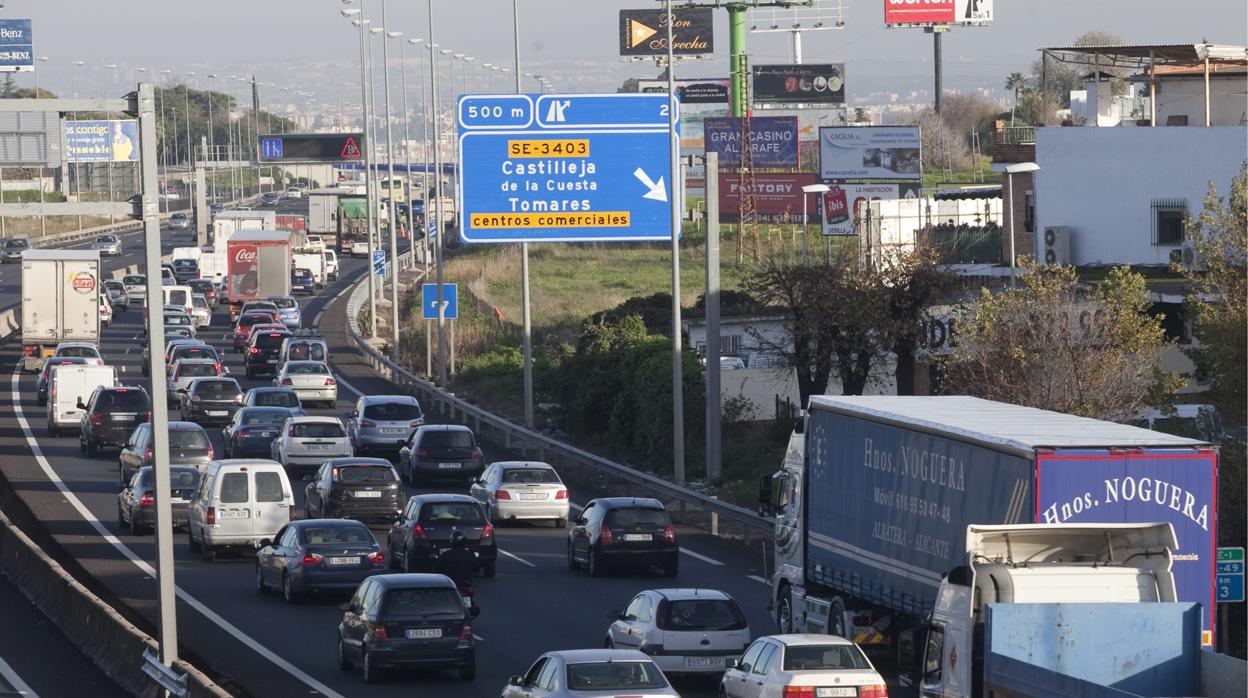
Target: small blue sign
(1235,567)
(379,262)
(1230,588)
(271,148)
(566,168)
(17,46)
(429,301)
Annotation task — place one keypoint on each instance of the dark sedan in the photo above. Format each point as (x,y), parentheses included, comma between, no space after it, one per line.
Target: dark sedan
(136,504)
(318,555)
(252,430)
(424,531)
(364,489)
(211,400)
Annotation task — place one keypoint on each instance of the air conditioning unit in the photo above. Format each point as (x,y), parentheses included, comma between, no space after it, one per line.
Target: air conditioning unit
(1057,244)
(1191,257)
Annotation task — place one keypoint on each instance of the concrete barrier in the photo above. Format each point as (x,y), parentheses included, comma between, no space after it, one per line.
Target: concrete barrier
(98,630)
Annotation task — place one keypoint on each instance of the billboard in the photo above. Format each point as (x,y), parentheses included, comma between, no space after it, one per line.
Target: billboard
(839,205)
(116,140)
(777,197)
(799,84)
(922,13)
(869,152)
(17,50)
(644,32)
(700,99)
(773,140)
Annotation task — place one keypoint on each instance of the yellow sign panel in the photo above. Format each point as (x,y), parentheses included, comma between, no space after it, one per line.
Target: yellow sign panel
(561,148)
(567,219)
(638,32)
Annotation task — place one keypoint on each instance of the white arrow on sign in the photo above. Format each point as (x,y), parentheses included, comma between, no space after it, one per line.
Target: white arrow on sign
(658,192)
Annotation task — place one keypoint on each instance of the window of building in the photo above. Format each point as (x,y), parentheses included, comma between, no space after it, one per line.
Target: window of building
(1168,218)
(1029,212)
(730,345)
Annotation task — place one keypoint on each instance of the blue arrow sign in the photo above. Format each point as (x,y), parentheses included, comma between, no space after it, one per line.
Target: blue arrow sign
(429,301)
(379,262)
(566,168)
(271,148)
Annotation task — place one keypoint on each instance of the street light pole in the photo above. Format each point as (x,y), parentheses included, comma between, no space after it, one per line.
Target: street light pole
(190,159)
(407,145)
(678,392)
(437,167)
(394,217)
(212,141)
(372,290)
(526,319)
(73,87)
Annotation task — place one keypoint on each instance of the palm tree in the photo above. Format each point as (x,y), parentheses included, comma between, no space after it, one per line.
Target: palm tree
(1016,82)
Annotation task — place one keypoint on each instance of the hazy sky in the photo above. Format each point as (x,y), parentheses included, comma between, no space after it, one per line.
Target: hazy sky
(260,34)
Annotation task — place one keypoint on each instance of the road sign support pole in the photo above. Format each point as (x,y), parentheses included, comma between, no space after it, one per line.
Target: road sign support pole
(714,424)
(525,316)
(160,410)
(394,216)
(674,184)
(736,52)
(437,166)
(368,183)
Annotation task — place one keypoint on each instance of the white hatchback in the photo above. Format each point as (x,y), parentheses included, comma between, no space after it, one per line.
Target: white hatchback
(825,666)
(694,631)
(306,442)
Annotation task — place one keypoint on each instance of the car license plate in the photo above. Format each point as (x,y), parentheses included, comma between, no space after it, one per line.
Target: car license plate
(636,536)
(424,633)
(368,495)
(393,430)
(532,496)
(697,662)
(836,692)
(449,466)
(344,561)
(317,447)
(235,514)
(216,413)
(266,434)
(123,418)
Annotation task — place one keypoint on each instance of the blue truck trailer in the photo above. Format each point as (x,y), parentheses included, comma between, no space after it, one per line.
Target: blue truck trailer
(876,493)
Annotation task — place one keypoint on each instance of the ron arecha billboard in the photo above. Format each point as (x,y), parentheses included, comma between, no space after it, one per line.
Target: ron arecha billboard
(923,13)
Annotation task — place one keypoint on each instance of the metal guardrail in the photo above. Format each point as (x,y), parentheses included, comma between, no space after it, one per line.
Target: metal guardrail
(75,235)
(687,507)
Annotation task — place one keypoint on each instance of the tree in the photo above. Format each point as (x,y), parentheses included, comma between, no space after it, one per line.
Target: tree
(1218,305)
(8,87)
(1061,78)
(1056,344)
(912,282)
(1015,83)
(780,283)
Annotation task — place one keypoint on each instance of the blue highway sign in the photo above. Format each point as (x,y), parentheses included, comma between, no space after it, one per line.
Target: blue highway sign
(379,262)
(1230,575)
(429,301)
(271,148)
(566,168)
(16,46)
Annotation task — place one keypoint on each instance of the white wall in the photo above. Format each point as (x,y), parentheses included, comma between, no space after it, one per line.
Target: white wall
(1187,96)
(1101,183)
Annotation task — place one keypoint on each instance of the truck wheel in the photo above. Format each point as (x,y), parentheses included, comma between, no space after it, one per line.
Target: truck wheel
(784,610)
(836,618)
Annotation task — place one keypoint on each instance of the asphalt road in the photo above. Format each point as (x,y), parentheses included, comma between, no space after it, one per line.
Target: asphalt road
(535,604)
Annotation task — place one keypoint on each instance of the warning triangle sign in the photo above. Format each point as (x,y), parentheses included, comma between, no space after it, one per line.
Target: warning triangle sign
(350,149)
(638,32)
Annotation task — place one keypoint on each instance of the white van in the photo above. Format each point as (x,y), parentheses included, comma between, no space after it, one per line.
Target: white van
(180,295)
(67,385)
(239,502)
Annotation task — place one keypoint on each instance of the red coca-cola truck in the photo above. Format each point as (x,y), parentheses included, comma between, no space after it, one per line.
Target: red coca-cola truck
(257,266)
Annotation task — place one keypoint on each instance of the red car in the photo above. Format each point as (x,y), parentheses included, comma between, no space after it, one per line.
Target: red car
(242,329)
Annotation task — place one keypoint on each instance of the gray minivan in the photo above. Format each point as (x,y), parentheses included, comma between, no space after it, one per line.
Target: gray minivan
(383,423)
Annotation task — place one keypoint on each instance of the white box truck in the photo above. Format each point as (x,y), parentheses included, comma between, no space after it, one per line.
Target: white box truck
(226,223)
(60,301)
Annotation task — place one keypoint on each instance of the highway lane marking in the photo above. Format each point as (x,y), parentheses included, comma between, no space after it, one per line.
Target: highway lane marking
(757,578)
(517,558)
(139,562)
(15,681)
(348,386)
(699,556)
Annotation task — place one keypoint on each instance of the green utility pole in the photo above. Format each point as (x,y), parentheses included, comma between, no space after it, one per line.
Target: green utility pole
(736,54)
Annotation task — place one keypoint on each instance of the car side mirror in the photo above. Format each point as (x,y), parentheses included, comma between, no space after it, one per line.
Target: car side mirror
(80,405)
(265,542)
(345,606)
(515,681)
(474,611)
(732,663)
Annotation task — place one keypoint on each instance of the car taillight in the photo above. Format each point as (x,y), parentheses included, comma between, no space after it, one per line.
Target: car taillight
(243,433)
(466,632)
(487,533)
(799,692)
(254,350)
(330,382)
(147,455)
(422,453)
(606,537)
(210,517)
(287,381)
(312,559)
(377,633)
(97,418)
(367,425)
(669,534)
(878,690)
(418,532)
(377,557)
(417,423)
(561,494)
(149,415)
(29,350)
(52,392)
(217,367)
(291,431)
(147,500)
(196,398)
(211,452)
(476,453)
(502,494)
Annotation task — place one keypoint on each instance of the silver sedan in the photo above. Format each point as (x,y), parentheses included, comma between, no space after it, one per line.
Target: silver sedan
(311,381)
(522,491)
(107,244)
(586,673)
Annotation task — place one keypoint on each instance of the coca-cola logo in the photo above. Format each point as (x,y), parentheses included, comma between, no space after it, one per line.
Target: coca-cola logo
(245,255)
(83,282)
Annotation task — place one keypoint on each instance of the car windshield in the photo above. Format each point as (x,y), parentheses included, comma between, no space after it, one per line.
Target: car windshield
(530,476)
(184,263)
(179,478)
(285,303)
(217,388)
(188,438)
(134,280)
(307,351)
(276,398)
(177,319)
(264,417)
(197,369)
(704,615)
(447,439)
(823,658)
(202,286)
(336,533)
(371,474)
(195,352)
(179,216)
(199,301)
(422,601)
(636,516)
(302,273)
(308,369)
(16,244)
(318,430)
(270,340)
(83,352)
(106,238)
(392,412)
(177,332)
(614,676)
(451,512)
(178,297)
(134,400)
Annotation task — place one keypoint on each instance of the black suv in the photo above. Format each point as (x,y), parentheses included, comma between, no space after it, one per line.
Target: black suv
(110,415)
(211,400)
(424,530)
(623,532)
(407,621)
(441,452)
(262,352)
(364,489)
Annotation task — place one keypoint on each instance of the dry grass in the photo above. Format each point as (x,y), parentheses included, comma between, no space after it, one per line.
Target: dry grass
(31,225)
